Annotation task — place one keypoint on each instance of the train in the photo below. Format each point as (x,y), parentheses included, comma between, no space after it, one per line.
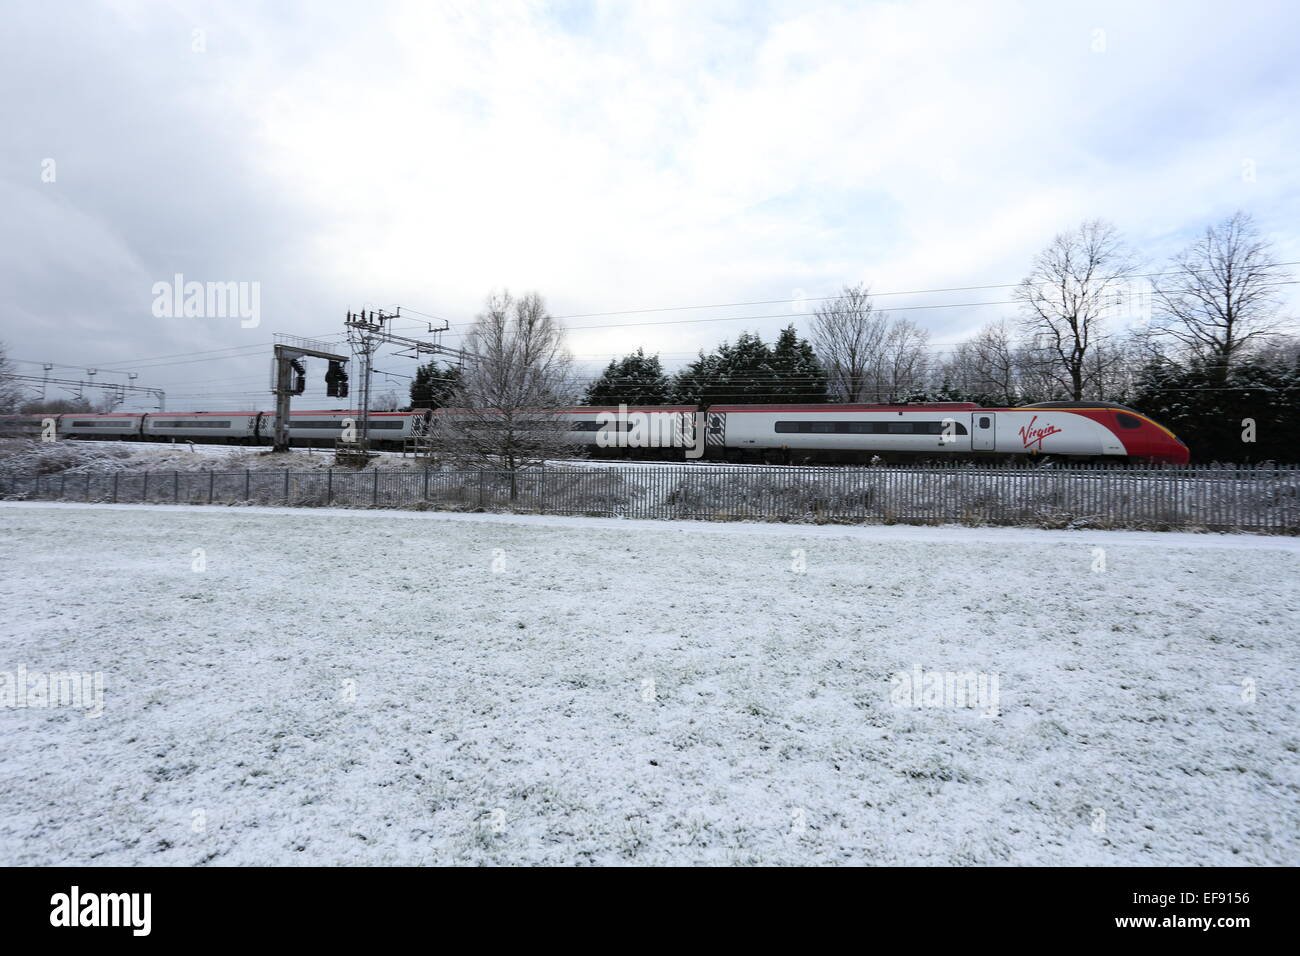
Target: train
(387,429)
(773,434)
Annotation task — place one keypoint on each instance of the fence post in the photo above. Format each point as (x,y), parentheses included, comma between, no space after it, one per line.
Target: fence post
(144,488)
(481,475)
(374,498)
(286,486)
(176,487)
(212,478)
(248,484)
(426,482)
(114,487)
(87,495)
(329,486)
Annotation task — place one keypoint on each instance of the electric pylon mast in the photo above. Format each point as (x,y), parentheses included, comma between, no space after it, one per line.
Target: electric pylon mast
(367,331)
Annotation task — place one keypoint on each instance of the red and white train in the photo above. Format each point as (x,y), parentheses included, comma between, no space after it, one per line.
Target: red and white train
(1096,431)
(1071,430)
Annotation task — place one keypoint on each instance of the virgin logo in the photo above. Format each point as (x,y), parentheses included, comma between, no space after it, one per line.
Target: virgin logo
(1032,436)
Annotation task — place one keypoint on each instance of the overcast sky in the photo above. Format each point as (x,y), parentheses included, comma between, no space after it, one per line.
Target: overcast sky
(613,156)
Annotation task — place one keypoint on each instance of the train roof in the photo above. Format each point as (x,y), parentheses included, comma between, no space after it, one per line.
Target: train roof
(587,409)
(1117,407)
(194,413)
(831,407)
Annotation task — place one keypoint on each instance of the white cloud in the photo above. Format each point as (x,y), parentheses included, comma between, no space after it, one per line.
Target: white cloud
(640,155)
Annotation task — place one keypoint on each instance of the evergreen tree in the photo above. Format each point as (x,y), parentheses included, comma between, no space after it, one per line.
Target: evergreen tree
(751,373)
(1212,413)
(798,375)
(433,384)
(636,379)
(731,374)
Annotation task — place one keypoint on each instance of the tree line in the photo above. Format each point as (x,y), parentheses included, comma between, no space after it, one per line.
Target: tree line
(1196,343)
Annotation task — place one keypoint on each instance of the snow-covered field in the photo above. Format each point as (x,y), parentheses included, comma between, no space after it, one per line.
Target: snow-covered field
(382,687)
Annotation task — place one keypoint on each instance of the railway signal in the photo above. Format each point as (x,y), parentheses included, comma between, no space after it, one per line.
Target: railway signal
(289,377)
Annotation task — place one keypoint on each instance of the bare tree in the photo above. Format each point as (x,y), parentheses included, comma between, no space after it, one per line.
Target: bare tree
(903,362)
(1035,377)
(56,406)
(503,412)
(955,371)
(848,334)
(1221,297)
(11,392)
(1113,365)
(992,364)
(1280,349)
(1073,283)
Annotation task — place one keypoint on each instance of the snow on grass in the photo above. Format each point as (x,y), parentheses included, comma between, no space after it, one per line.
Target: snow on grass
(344,687)
(21,458)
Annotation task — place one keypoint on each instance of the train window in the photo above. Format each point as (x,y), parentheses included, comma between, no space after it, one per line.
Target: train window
(936,428)
(597,426)
(984,421)
(867,428)
(195,423)
(337,425)
(1128,421)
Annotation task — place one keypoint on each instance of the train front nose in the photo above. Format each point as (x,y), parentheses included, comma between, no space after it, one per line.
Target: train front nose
(1172,451)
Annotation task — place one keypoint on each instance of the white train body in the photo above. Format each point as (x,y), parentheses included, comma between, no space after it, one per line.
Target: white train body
(201,426)
(328,426)
(617,428)
(1075,430)
(87,425)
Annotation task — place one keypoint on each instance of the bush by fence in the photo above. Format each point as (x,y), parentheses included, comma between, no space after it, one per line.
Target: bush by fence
(1230,498)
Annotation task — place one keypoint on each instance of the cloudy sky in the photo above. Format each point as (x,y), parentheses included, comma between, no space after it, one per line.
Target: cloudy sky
(617,157)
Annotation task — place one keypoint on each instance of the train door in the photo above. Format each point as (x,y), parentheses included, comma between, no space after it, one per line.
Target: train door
(984,425)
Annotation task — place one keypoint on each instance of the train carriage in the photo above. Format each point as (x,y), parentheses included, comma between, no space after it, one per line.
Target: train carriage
(115,425)
(328,426)
(27,426)
(937,431)
(830,432)
(230,427)
(657,431)
(1082,429)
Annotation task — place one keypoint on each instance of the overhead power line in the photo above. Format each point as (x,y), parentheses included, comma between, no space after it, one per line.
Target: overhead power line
(823,298)
(244,351)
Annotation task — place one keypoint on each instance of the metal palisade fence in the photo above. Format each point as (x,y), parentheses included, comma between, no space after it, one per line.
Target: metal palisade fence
(1257,498)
